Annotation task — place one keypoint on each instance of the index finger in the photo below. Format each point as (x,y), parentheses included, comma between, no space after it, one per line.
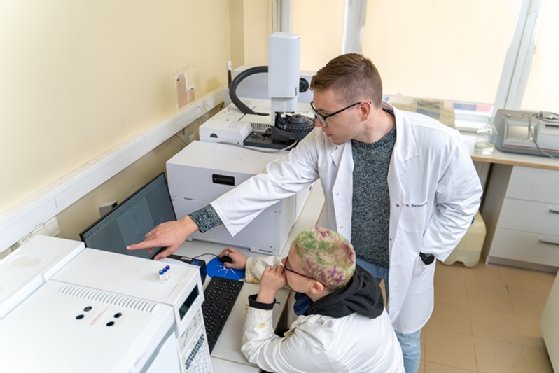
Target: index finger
(149,244)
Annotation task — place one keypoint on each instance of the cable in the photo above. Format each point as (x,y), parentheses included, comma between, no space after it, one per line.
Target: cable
(229,74)
(538,116)
(187,259)
(261,150)
(235,83)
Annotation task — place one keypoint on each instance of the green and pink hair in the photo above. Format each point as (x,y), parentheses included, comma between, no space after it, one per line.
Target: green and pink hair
(326,256)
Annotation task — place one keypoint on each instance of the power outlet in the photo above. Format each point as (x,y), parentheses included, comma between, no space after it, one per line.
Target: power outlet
(107,207)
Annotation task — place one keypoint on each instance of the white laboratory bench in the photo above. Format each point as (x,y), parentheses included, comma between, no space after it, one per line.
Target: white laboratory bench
(520,208)
(226,356)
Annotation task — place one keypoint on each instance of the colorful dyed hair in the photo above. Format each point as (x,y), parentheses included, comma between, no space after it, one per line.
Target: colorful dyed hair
(326,256)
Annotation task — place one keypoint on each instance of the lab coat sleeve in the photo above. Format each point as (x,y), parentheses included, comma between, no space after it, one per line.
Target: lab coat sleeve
(457,201)
(282,179)
(298,351)
(255,267)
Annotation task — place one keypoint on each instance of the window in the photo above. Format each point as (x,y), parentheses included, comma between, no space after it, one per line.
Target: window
(320,24)
(440,48)
(542,88)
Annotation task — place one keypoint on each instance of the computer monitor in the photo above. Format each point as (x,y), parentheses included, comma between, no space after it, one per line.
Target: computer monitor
(128,223)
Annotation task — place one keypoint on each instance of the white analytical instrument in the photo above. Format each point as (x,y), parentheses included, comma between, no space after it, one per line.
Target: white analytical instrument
(278,125)
(65,308)
(203,171)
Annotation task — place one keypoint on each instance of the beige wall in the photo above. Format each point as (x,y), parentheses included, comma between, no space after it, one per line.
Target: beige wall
(84,212)
(236,31)
(251,24)
(81,214)
(78,78)
(258,26)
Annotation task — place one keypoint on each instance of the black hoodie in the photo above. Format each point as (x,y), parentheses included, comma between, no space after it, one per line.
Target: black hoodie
(362,295)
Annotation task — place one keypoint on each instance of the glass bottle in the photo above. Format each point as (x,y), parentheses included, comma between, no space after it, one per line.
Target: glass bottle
(485,140)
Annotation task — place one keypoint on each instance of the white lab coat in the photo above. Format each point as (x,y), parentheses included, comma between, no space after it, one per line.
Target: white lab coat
(434,193)
(318,343)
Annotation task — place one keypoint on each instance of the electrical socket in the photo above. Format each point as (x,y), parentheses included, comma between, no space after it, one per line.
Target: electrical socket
(107,207)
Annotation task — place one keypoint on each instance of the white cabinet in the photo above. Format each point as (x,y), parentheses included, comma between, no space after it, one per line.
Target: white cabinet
(521,209)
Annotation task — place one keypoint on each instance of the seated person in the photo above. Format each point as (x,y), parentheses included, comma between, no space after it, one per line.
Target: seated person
(342,324)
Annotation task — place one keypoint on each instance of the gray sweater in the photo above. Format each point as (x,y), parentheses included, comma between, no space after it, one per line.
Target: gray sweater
(370,215)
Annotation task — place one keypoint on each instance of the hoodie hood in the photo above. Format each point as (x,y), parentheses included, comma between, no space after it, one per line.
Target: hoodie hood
(362,295)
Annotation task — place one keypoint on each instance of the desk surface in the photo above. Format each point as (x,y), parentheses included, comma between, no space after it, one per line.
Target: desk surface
(511,159)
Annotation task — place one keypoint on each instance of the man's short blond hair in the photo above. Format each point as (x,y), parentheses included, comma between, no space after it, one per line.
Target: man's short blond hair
(353,77)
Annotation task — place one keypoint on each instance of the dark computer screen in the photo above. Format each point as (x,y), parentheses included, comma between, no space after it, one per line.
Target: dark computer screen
(132,219)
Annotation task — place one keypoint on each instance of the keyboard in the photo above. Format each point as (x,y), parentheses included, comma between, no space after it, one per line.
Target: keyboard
(219,297)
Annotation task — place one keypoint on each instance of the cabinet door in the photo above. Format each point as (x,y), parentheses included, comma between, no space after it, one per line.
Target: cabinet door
(534,184)
(526,246)
(536,217)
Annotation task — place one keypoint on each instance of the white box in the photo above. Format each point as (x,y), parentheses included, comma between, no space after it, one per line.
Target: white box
(468,250)
(203,171)
(224,131)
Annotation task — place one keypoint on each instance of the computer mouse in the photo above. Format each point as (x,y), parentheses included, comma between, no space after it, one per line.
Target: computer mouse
(225,259)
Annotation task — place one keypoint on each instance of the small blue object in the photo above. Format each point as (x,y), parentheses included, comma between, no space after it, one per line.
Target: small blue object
(163,275)
(217,269)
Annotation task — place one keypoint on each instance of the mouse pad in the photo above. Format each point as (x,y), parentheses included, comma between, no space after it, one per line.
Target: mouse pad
(217,269)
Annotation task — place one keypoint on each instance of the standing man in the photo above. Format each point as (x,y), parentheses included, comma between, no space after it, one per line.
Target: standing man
(400,186)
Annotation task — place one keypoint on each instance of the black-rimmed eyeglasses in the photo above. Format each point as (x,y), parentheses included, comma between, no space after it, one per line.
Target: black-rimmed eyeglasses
(285,266)
(323,118)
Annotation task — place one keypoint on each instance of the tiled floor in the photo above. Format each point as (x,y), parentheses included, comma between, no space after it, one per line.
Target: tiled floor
(486,319)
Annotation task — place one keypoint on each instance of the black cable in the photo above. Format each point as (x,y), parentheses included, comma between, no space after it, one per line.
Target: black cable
(235,83)
(187,259)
